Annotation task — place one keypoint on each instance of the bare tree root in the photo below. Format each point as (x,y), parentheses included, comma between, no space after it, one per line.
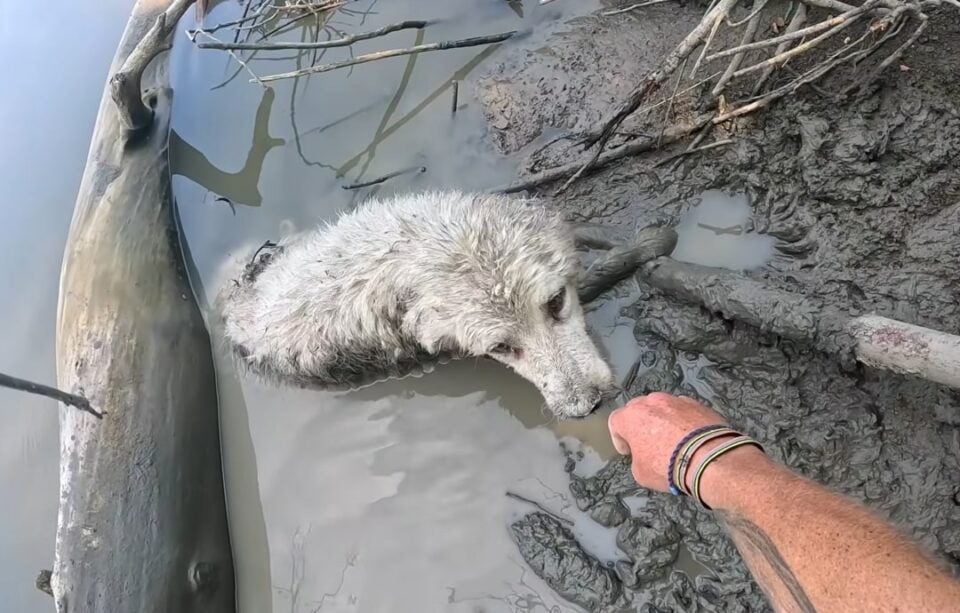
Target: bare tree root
(881,21)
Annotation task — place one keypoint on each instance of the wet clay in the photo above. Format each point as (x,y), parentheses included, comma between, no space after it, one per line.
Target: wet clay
(863,199)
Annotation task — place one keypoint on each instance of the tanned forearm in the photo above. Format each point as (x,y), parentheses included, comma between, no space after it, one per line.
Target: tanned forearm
(813,550)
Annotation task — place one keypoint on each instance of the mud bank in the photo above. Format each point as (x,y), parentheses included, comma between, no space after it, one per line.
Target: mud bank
(862,198)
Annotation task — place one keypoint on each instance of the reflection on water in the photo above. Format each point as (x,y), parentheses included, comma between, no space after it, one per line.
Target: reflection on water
(391,497)
(717,232)
(54,57)
(241,187)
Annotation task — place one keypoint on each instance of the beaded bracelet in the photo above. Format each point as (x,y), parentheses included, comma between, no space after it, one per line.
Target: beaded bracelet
(740,441)
(673,456)
(687,453)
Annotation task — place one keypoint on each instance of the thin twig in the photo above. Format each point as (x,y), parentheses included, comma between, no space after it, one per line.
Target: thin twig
(387,177)
(754,13)
(673,97)
(706,45)
(670,135)
(236,57)
(632,7)
(893,56)
(30,387)
(831,5)
(686,152)
(782,58)
(322,44)
(699,138)
(456,95)
(798,19)
(380,55)
(559,518)
(789,35)
(649,84)
(748,35)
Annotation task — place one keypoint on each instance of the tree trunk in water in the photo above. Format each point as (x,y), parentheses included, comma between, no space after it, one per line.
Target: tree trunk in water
(142,523)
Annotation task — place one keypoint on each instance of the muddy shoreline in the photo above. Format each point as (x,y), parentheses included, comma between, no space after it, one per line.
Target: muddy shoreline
(862,198)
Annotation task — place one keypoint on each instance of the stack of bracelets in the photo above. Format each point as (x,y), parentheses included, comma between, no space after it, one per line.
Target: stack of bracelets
(679,465)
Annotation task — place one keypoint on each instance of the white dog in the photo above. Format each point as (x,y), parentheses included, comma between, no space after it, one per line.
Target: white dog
(401,281)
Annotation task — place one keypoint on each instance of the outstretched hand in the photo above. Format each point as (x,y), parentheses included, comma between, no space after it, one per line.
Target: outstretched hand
(648,428)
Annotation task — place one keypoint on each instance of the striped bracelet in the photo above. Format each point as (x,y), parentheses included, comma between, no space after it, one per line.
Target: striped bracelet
(681,467)
(671,464)
(727,447)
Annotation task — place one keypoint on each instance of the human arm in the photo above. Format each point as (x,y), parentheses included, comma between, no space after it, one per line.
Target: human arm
(808,548)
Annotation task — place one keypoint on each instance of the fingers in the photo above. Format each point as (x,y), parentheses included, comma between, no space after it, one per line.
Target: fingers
(614,423)
(620,444)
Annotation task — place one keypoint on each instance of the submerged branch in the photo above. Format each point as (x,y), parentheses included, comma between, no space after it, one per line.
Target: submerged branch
(386,177)
(540,507)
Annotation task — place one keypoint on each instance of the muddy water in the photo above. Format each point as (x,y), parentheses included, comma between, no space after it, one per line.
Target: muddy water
(48,101)
(717,231)
(391,497)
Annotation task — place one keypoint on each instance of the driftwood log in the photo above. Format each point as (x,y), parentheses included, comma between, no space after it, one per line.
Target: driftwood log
(873,340)
(142,523)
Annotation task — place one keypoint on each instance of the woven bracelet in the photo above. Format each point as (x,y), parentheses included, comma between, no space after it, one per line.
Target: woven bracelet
(673,456)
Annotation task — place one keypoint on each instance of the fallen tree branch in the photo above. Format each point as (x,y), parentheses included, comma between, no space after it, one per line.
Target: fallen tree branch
(623,260)
(650,84)
(671,63)
(670,135)
(792,35)
(321,44)
(876,341)
(381,55)
(782,58)
(869,78)
(39,389)
(125,83)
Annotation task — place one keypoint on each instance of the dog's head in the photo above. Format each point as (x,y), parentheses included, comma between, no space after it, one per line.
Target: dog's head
(508,291)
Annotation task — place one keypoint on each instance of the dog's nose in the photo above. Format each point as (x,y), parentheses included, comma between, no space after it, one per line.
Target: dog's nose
(597,402)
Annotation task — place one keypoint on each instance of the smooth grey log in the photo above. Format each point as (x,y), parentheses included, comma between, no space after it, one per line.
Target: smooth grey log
(142,523)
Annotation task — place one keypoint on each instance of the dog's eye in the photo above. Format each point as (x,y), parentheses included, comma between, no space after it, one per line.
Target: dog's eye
(555,304)
(501,348)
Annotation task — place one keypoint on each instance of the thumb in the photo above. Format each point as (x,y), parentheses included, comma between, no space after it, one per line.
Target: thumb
(619,443)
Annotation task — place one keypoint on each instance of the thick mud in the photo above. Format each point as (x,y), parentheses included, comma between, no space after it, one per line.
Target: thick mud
(863,201)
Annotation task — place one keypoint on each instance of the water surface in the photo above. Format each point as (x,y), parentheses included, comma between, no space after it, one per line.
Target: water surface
(54,58)
(392,497)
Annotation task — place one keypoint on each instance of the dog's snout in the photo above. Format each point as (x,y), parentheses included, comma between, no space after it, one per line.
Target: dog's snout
(584,403)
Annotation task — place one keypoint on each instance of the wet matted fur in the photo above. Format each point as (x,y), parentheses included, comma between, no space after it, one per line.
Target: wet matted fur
(400,281)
